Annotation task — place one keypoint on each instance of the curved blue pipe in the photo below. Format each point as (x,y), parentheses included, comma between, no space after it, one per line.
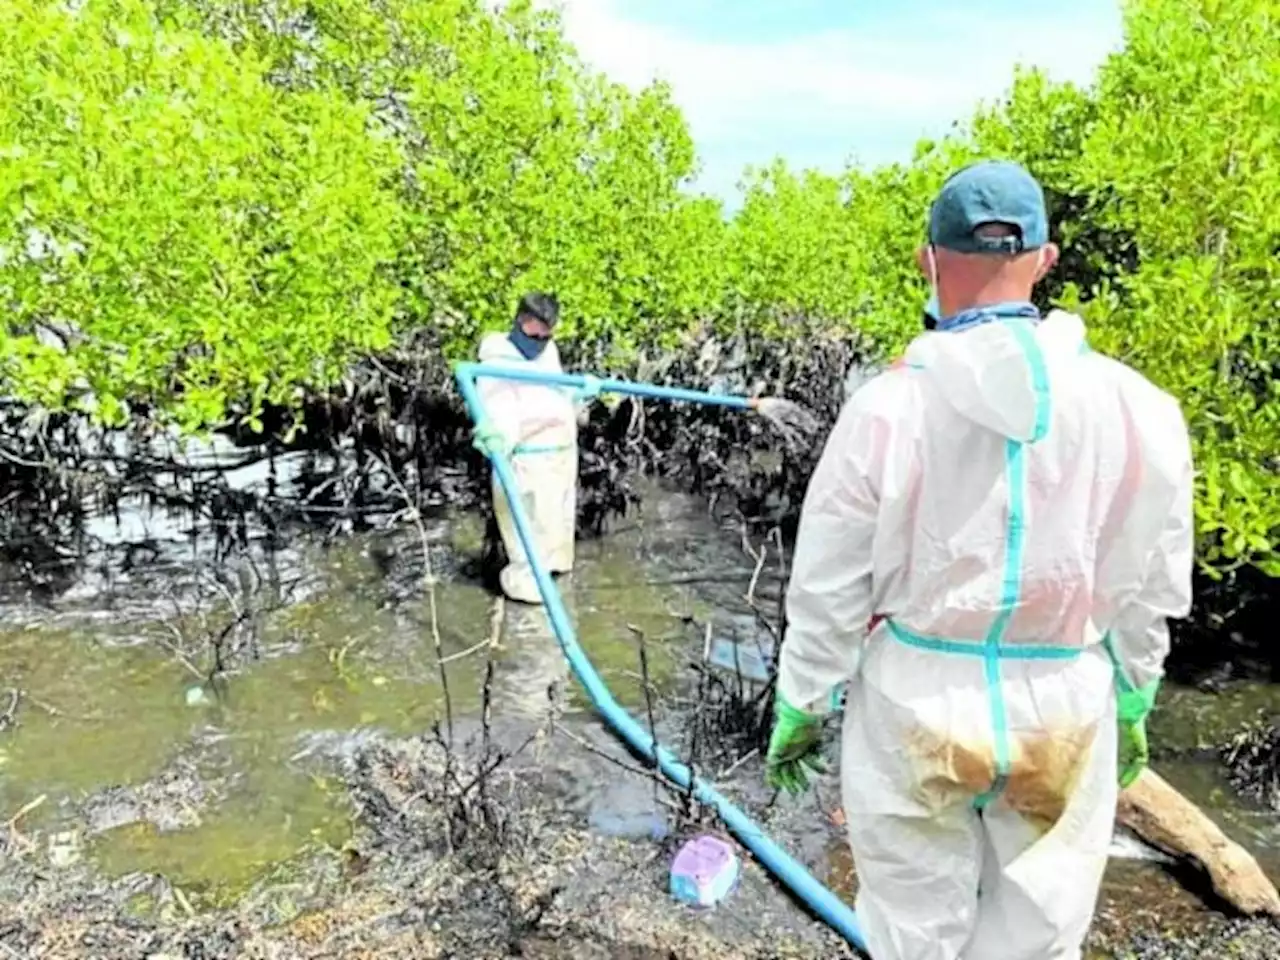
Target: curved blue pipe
(777,861)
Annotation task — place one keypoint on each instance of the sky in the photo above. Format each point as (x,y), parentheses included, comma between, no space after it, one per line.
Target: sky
(824,82)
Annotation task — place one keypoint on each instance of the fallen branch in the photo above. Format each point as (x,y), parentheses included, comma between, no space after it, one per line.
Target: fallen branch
(30,807)
(53,711)
(16,839)
(751,755)
(1167,820)
(183,902)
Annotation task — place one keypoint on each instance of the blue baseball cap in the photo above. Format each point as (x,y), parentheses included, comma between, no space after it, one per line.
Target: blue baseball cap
(992,191)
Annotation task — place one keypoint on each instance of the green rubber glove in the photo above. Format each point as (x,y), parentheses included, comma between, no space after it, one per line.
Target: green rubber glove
(1133,752)
(488,439)
(590,390)
(795,748)
(1133,706)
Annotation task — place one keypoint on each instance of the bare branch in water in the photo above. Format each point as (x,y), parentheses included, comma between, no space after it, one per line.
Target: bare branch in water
(429,581)
(492,641)
(209,646)
(648,692)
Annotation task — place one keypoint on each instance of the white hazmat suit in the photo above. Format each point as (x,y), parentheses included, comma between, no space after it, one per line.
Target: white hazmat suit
(540,424)
(1015,511)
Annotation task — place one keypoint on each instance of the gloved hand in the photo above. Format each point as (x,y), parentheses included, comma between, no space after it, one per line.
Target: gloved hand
(589,390)
(1133,706)
(488,439)
(1133,752)
(795,748)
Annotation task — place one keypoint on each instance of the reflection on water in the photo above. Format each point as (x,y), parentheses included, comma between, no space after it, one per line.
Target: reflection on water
(108,708)
(528,662)
(88,709)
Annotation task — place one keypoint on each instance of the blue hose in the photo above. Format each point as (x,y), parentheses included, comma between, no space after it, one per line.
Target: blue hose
(470,371)
(777,861)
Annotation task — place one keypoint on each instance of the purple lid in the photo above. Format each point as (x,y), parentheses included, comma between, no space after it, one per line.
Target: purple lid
(702,858)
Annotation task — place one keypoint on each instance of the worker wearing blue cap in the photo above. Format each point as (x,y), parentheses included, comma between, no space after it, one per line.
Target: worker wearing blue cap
(989,548)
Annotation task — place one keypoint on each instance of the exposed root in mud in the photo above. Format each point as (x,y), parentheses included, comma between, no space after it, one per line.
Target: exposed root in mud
(401,410)
(216,627)
(1252,757)
(57,471)
(732,714)
(399,415)
(728,723)
(735,459)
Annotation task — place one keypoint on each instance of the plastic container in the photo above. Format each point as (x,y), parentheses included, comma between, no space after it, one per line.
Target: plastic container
(704,872)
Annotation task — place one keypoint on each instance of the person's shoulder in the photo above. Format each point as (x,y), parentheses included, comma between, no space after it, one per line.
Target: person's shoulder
(887,395)
(495,346)
(551,355)
(1155,414)
(1136,390)
(881,388)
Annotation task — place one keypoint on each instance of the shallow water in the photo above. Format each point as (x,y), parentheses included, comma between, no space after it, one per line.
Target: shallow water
(216,785)
(220,786)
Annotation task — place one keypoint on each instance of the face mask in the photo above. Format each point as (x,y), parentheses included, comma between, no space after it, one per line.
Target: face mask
(530,347)
(931,310)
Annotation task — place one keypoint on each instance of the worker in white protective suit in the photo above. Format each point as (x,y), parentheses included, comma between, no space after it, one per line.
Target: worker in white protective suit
(989,548)
(536,426)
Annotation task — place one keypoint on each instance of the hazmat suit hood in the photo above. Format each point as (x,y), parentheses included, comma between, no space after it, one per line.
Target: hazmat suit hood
(997,374)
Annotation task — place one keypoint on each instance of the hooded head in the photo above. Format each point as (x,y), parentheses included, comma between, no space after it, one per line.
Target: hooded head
(988,239)
(536,317)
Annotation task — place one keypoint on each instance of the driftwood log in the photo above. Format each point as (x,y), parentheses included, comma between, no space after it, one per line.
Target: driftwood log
(1167,820)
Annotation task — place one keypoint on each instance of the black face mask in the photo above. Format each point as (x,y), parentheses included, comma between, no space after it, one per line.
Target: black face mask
(530,347)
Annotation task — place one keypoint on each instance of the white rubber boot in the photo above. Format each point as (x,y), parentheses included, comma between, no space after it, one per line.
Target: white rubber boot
(519,585)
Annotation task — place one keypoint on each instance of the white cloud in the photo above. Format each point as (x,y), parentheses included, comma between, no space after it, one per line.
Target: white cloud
(833,94)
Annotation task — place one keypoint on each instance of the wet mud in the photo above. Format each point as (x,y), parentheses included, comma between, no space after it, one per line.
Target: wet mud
(225,730)
(308,801)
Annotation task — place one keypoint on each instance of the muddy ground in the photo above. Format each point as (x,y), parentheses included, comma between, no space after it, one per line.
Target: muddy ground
(307,800)
(538,881)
